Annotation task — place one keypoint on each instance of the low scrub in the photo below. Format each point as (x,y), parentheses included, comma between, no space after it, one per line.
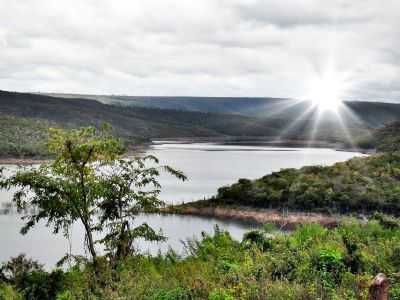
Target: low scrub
(362,185)
(312,262)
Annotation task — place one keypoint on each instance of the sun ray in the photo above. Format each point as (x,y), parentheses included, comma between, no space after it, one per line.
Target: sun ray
(350,114)
(294,123)
(346,131)
(314,129)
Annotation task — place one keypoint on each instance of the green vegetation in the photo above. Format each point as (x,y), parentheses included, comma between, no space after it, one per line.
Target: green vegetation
(310,263)
(88,182)
(365,184)
(140,119)
(131,123)
(373,114)
(153,117)
(22,137)
(385,139)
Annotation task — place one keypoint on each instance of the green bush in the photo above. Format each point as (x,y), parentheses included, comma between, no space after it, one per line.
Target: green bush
(174,294)
(7,292)
(363,184)
(311,262)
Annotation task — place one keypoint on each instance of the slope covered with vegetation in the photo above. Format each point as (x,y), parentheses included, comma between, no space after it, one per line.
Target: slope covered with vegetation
(372,114)
(22,137)
(25,119)
(140,119)
(384,139)
(359,185)
(135,122)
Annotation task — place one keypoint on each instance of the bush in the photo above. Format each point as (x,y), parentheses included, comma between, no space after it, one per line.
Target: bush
(309,263)
(174,294)
(365,184)
(7,292)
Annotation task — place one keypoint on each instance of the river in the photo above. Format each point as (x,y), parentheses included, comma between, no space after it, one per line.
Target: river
(208,167)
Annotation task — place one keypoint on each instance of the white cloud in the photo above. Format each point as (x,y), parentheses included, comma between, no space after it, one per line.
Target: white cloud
(205,48)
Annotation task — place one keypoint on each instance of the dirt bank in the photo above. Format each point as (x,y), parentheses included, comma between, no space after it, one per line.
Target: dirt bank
(256,216)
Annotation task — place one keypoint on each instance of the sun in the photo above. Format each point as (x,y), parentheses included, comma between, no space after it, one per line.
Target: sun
(326,93)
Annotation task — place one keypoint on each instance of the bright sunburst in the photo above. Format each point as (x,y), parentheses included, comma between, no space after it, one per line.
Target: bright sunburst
(326,92)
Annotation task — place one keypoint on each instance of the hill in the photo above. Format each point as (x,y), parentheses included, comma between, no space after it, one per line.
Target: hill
(359,185)
(22,137)
(354,121)
(141,119)
(372,114)
(133,124)
(383,139)
(132,121)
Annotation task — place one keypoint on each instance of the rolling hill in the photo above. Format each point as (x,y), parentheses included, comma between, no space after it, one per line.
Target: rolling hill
(372,114)
(140,119)
(134,124)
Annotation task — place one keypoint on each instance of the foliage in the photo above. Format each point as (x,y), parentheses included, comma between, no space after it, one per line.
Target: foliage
(309,263)
(22,137)
(29,278)
(89,182)
(7,292)
(384,139)
(364,184)
(14,270)
(134,123)
(387,138)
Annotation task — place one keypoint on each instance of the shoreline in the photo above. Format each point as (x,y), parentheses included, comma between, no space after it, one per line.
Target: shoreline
(23,161)
(256,216)
(254,141)
(264,141)
(34,161)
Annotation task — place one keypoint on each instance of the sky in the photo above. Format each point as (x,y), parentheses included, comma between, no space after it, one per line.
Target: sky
(263,48)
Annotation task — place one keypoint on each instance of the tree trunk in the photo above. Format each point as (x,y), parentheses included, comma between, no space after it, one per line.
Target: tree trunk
(91,247)
(92,250)
(379,289)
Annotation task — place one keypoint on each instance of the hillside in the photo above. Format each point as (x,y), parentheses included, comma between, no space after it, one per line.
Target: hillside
(359,185)
(372,114)
(140,119)
(291,119)
(230,105)
(131,123)
(22,137)
(384,139)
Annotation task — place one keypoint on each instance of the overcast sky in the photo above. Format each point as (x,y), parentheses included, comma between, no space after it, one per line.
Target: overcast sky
(277,48)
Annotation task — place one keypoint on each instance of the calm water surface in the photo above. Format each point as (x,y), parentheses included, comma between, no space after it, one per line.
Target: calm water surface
(208,167)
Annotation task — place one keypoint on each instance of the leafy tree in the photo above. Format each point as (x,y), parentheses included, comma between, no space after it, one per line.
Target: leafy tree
(89,182)
(15,269)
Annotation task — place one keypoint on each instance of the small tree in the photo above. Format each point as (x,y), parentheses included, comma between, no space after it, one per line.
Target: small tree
(89,182)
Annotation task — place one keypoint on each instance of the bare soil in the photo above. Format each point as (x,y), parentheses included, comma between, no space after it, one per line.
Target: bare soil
(257,216)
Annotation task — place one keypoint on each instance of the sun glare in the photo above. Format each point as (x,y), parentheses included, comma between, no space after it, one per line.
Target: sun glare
(326,93)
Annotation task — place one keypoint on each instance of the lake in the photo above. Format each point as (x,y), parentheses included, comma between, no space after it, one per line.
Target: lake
(208,167)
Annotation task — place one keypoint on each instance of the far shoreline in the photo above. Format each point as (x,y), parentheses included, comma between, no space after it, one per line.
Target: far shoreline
(233,141)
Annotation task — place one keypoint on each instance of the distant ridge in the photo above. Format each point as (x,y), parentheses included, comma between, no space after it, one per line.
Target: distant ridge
(145,118)
(374,114)
(140,122)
